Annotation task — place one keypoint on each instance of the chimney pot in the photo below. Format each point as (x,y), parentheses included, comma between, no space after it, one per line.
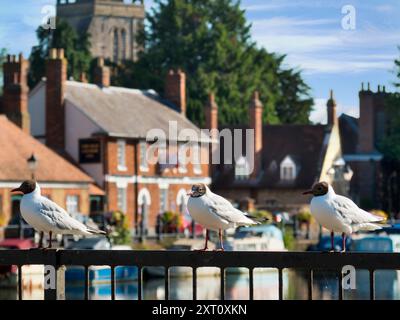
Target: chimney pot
(362,86)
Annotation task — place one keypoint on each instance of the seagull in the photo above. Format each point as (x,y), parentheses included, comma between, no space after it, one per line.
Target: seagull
(215,212)
(45,216)
(339,214)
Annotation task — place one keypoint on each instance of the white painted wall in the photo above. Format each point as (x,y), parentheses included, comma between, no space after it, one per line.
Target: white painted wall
(36,106)
(79,126)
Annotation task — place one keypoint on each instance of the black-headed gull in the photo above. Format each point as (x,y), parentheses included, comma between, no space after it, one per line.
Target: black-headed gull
(46,216)
(214,212)
(338,213)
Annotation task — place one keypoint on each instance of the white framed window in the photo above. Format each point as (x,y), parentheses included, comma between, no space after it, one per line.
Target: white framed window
(288,169)
(121,154)
(163,200)
(121,199)
(242,169)
(144,166)
(72,203)
(182,161)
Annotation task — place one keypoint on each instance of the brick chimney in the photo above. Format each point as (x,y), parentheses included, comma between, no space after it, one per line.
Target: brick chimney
(175,89)
(211,116)
(211,112)
(256,110)
(366,121)
(101,74)
(331,110)
(56,77)
(15,99)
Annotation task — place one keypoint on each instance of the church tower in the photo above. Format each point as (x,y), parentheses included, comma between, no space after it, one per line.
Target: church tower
(113,25)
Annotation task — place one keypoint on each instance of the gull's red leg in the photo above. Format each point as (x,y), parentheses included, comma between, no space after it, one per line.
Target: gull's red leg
(332,241)
(206,244)
(220,241)
(344,242)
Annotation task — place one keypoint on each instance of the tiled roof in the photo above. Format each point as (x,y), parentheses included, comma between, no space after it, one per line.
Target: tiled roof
(306,146)
(16,147)
(125,112)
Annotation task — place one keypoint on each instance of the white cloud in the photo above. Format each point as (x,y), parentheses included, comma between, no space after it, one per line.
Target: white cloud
(319,114)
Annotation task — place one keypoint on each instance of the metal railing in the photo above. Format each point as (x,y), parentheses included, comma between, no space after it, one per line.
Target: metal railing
(309,261)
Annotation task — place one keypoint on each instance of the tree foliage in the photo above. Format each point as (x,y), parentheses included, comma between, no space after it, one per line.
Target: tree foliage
(210,40)
(76,49)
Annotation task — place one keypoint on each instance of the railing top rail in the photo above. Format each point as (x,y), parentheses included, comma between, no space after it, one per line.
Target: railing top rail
(280,260)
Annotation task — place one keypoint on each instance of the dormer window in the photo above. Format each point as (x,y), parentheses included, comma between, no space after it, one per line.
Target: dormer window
(242,170)
(288,169)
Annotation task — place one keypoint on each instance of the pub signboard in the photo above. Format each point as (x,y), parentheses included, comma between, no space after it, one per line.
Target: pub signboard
(89,151)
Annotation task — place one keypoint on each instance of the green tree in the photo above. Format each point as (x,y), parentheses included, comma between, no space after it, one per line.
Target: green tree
(3,55)
(76,48)
(210,40)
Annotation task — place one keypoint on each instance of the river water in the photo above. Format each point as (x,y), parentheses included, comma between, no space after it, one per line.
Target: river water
(325,286)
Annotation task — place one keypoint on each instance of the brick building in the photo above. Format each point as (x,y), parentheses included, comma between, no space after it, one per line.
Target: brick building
(113,25)
(61,180)
(104,129)
(288,159)
(360,138)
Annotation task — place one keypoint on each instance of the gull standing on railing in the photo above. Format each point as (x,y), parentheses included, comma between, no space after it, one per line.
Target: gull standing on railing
(46,216)
(215,212)
(339,214)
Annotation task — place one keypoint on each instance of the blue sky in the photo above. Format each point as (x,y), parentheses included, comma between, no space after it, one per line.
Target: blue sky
(309,31)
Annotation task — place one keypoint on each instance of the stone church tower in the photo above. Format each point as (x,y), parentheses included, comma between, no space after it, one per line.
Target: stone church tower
(112,24)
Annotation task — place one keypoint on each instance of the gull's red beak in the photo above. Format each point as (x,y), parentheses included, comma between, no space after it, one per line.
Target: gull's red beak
(16,190)
(308,192)
(189,193)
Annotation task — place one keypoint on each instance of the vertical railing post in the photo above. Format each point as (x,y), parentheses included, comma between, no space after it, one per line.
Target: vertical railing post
(54,278)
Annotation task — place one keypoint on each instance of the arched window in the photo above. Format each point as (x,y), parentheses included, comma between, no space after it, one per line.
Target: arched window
(115,46)
(181,200)
(123,44)
(288,169)
(242,170)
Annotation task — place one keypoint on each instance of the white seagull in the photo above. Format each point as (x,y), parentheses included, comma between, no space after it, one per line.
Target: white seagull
(46,216)
(214,212)
(338,213)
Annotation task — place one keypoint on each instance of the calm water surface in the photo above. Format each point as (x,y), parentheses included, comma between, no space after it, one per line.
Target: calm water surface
(325,286)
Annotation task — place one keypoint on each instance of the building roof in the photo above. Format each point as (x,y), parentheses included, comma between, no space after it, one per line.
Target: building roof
(124,112)
(17,147)
(348,126)
(305,144)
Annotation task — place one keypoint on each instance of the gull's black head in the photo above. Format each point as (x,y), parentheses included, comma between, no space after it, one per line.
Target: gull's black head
(318,189)
(26,187)
(198,190)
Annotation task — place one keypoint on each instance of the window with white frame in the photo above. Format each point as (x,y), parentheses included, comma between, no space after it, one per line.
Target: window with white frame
(72,203)
(121,199)
(242,170)
(182,154)
(196,159)
(288,169)
(163,199)
(121,154)
(142,156)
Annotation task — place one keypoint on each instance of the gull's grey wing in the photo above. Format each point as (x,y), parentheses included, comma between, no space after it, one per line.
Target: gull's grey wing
(223,209)
(351,213)
(58,216)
